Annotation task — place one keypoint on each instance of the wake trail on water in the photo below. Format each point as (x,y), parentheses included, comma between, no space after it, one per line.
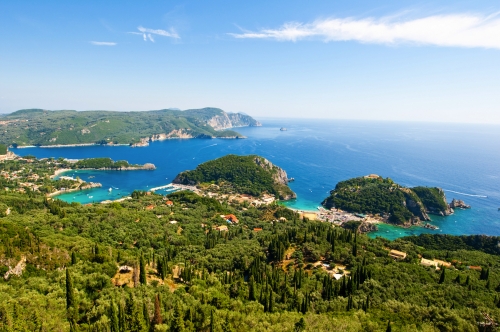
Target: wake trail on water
(471,195)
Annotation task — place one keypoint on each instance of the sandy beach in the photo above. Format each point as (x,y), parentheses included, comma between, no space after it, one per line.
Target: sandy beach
(59,171)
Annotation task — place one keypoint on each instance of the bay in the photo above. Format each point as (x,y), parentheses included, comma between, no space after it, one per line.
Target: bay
(462,159)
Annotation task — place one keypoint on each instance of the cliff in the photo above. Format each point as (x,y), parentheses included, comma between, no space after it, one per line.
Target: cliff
(434,200)
(253,175)
(231,120)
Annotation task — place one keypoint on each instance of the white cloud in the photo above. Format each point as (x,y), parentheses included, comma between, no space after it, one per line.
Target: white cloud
(147,34)
(452,30)
(98,43)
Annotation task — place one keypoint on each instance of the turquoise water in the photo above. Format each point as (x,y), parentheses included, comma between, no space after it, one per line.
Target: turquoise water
(462,159)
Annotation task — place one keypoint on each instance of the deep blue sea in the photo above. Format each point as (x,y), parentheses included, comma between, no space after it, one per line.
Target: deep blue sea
(462,159)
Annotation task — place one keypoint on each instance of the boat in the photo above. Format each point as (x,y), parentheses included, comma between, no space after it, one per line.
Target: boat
(282,129)
(291,179)
(110,189)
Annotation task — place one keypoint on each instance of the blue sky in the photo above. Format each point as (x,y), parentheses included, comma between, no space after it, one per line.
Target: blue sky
(383,60)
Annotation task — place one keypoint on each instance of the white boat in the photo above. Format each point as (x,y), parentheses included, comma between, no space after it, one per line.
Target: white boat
(110,189)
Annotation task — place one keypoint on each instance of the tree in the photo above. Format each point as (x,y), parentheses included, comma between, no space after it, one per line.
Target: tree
(251,289)
(113,316)
(142,271)
(177,324)
(73,258)
(389,328)
(70,296)
(157,319)
(300,325)
(442,278)
(212,321)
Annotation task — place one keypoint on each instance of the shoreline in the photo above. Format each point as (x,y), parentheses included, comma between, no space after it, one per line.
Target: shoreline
(133,145)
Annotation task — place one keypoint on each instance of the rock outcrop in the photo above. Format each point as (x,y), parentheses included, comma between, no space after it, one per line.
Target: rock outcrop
(458,203)
(231,120)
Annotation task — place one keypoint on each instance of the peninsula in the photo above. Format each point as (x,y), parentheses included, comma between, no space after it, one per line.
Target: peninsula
(37,127)
(250,175)
(390,202)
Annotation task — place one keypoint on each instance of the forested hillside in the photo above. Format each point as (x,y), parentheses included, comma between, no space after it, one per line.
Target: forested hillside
(144,265)
(42,127)
(253,175)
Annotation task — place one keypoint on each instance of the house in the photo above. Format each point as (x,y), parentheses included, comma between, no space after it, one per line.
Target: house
(222,228)
(397,254)
(428,262)
(231,218)
(150,207)
(476,268)
(257,229)
(169,203)
(173,222)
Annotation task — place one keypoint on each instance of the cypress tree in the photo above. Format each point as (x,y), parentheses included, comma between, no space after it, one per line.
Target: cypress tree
(467,281)
(271,301)
(157,320)
(70,296)
(388,329)
(73,258)
(212,320)
(177,324)
(113,316)
(443,275)
(145,313)
(121,317)
(251,290)
(142,271)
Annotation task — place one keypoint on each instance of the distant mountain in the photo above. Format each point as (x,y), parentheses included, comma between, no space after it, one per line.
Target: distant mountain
(66,127)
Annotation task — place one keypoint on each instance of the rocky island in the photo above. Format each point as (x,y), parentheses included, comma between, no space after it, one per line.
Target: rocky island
(251,175)
(37,127)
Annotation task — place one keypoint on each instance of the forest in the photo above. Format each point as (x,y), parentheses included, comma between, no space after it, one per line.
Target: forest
(386,198)
(42,127)
(145,265)
(252,175)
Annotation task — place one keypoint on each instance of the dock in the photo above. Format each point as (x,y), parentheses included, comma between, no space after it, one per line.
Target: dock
(167,186)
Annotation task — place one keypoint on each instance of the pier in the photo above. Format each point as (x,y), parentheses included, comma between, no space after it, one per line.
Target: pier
(162,187)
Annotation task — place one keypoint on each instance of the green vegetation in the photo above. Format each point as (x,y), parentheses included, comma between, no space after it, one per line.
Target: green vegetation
(252,175)
(385,197)
(192,277)
(3,149)
(432,198)
(41,127)
(98,163)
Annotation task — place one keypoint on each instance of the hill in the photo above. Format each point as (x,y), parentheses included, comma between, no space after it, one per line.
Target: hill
(376,195)
(42,127)
(143,265)
(251,175)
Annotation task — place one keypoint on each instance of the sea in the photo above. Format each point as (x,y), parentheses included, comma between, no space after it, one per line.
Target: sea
(463,159)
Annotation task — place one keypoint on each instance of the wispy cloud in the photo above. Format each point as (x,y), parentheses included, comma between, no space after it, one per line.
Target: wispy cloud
(99,43)
(147,34)
(452,30)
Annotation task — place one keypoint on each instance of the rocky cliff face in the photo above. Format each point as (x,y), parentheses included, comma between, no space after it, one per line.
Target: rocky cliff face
(279,176)
(413,203)
(230,120)
(446,212)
